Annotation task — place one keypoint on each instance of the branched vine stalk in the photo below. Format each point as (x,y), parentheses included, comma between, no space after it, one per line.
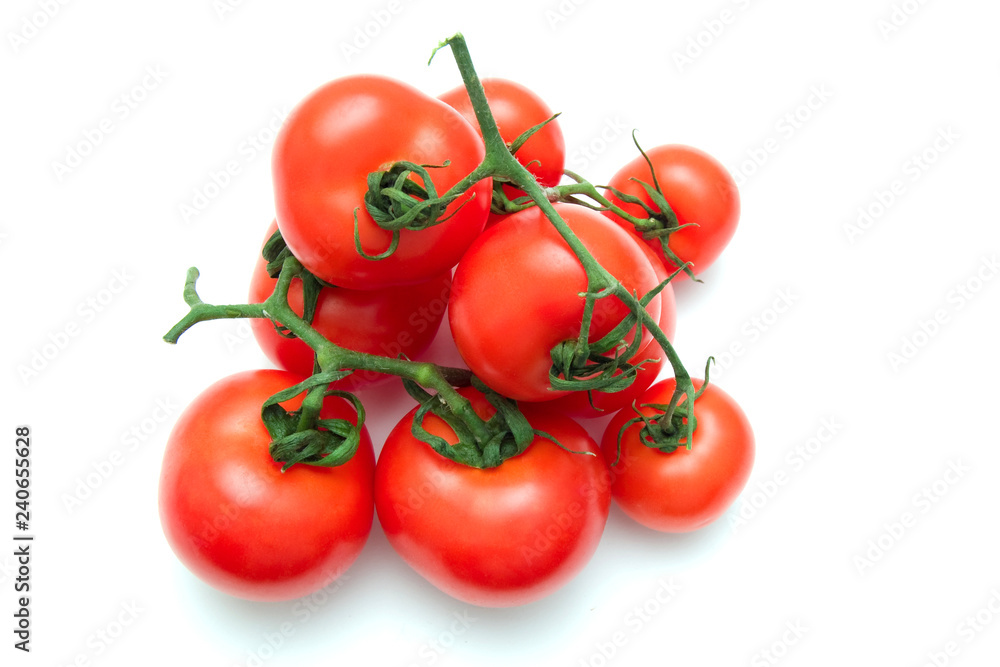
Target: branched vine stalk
(501,163)
(330,356)
(491,440)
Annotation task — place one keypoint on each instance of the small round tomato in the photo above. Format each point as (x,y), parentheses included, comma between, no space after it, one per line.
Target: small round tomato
(323,155)
(517,294)
(685,489)
(699,190)
(516,110)
(602,403)
(239,523)
(388,322)
(496,537)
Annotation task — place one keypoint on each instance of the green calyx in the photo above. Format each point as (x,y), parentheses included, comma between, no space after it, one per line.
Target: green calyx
(302,436)
(660,221)
(396,201)
(671,426)
(507,434)
(581,365)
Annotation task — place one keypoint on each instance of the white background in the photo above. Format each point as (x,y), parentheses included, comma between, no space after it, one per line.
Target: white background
(821,570)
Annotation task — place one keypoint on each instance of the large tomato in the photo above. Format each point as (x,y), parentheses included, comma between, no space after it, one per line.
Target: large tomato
(388,321)
(496,537)
(238,522)
(516,110)
(601,403)
(699,190)
(685,489)
(323,155)
(516,294)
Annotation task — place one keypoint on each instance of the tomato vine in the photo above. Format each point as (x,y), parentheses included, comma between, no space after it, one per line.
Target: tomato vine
(396,202)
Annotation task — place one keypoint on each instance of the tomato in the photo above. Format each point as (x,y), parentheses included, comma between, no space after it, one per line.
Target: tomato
(323,155)
(389,321)
(698,189)
(239,523)
(685,489)
(601,403)
(516,294)
(496,537)
(516,110)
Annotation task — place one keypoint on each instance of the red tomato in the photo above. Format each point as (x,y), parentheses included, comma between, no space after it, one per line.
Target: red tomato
(239,523)
(685,489)
(516,110)
(602,404)
(323,155)
(516,294)
(495,537)
(388,322)
(698,189)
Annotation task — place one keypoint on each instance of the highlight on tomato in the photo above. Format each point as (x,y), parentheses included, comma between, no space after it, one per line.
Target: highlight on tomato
(679,490)
(238,522)
(323,156)
(516,294)
(501,536)
(699,190)
(389,322)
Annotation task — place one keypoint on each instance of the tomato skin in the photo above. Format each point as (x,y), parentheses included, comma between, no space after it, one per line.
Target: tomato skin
(516,110)
(499,537)
(515,295)
(240,524)
(389,321)
(686,489)
(698,189)
(322,156)
(601,404)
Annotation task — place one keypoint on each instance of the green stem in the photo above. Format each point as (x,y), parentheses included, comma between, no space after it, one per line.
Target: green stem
(504,164)
(331,356)
(311,406)
(584,187)
(202,312)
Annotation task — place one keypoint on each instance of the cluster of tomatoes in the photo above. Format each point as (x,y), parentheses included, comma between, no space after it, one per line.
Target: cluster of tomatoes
(512,287)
